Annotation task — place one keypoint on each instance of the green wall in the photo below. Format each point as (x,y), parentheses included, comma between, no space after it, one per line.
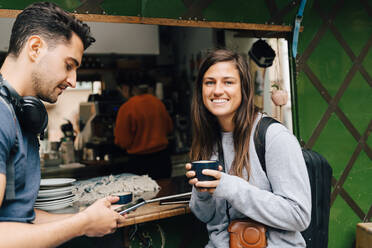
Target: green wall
(334,117)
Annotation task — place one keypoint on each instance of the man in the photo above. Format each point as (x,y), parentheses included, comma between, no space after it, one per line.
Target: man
(141,128)
(45,50)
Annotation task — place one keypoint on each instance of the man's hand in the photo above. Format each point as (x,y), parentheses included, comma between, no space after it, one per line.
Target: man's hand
(204,186)
(101,219)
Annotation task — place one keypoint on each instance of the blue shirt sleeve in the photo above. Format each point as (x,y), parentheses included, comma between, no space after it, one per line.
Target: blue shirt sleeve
(7,134)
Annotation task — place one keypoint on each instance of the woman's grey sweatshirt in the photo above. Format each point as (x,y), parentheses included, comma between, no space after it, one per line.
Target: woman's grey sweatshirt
(280,199)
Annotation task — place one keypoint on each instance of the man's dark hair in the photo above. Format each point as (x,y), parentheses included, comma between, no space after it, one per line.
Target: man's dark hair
(50,22)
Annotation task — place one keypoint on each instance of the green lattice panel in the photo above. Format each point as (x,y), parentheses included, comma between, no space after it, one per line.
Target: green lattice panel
(21,4)
(311,106)
(353,21)
(16,4)
(289,18)
(330,63)
(122,7)
(237,11)
(311,26)
(163,8)
(111,7)
(342,224)
(327,6)
(336,144)
(358,183)
(367,62)
(358,112)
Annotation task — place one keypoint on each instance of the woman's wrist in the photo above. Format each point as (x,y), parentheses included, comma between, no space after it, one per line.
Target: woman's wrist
(202,196)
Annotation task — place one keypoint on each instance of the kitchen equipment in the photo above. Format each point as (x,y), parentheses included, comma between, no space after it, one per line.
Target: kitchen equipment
(67,151)
(66,148)
(97,121)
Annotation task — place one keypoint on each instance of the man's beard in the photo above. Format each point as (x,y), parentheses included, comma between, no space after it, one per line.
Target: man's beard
(37,84)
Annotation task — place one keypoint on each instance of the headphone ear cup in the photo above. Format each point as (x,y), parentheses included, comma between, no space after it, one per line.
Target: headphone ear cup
(33,115)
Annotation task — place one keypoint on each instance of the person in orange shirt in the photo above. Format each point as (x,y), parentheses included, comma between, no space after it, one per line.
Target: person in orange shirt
(141,128)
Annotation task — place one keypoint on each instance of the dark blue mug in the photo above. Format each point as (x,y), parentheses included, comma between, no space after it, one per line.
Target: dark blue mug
(124,197)
(200,165)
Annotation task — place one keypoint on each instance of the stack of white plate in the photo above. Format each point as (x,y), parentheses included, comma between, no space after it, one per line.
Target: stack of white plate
(55,193)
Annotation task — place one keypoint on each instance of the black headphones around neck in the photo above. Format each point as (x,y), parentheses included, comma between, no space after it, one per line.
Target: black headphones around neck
(30,111)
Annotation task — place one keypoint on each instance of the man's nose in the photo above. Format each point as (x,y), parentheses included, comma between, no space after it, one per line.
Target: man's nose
(71,79)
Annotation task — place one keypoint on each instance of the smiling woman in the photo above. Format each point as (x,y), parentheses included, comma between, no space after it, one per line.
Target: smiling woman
(224,120)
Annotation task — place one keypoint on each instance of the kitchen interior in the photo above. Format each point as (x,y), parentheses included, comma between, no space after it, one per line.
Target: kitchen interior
(79,140)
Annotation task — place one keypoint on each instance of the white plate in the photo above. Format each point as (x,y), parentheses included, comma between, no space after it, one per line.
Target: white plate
(55,202)
(56,181)
(43,199)
(61,194)
(61,189)
(55,192)
(55,207)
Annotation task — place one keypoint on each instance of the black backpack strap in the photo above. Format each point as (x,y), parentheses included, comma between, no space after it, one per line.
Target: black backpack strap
(260,138)
(221,160)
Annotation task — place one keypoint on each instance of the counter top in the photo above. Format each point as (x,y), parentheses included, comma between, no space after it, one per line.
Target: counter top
(154,211)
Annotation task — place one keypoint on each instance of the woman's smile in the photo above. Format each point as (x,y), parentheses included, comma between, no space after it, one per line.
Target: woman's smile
(219,100)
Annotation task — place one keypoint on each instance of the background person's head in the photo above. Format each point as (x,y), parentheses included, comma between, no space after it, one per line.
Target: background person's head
(125,88)
(49,21)
(125,81)
(132,83)
(145,85)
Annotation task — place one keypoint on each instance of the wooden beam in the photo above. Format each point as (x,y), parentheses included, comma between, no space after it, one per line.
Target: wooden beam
(7,13)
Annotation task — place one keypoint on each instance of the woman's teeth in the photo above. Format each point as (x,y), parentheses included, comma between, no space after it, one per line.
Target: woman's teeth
(219,100)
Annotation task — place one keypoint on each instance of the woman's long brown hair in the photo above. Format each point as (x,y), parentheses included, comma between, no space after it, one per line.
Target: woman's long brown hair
(206,128)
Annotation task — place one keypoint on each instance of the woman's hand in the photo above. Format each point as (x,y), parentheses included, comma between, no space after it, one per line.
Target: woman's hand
(204,186)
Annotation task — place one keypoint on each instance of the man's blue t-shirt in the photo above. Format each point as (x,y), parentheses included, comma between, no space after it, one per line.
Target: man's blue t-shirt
(26,168)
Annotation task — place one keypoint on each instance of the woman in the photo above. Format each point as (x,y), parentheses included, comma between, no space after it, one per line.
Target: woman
(223,113)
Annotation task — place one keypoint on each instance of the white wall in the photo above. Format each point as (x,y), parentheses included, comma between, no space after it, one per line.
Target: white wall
(120,38)
(124,38)
(5,29)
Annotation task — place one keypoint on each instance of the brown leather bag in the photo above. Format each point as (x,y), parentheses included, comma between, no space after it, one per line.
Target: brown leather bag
(247,233)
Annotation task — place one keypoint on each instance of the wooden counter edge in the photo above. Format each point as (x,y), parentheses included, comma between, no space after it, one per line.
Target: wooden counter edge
(177,210)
